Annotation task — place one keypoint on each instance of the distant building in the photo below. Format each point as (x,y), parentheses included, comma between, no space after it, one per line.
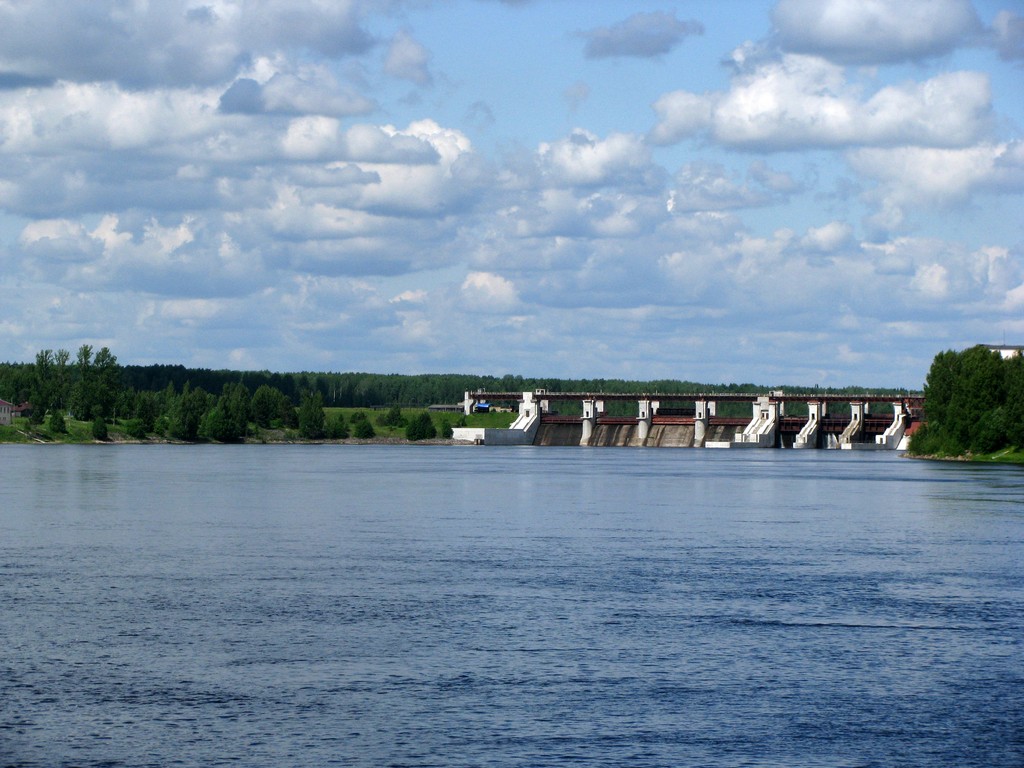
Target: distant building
(1006,352)
(6,413)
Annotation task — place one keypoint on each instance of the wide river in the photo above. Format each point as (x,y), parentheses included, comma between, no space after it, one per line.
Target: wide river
(484,606)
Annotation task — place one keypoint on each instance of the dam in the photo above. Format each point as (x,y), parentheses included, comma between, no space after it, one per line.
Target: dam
(776,420)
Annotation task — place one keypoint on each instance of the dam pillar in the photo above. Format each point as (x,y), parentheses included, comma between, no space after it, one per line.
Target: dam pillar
(589,420)
(808,436)
(858,410)
(643,420)
(467,404)
(703,410)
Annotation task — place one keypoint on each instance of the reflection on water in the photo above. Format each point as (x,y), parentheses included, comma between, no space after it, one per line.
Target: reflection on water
(309,605)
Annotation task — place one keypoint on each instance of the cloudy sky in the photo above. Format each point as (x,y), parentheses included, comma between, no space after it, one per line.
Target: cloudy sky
(794,192)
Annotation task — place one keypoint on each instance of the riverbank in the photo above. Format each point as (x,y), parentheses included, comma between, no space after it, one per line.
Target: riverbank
(1003,456)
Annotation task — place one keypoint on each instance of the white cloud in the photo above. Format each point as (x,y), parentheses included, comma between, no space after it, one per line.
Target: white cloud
(488,292)
(681,114)
(874,31)
(923,175)
(312,137)
(709,187)
(583,159)
(828,238)
(191,182)
(931,280)
(408,60)
(800,101)
(169,43)
(95,117)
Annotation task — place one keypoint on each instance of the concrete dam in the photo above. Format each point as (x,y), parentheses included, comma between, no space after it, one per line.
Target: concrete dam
(658,425)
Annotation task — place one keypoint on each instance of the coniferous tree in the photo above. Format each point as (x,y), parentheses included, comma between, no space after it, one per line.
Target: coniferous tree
(312,421)
(361,426)
(421,427)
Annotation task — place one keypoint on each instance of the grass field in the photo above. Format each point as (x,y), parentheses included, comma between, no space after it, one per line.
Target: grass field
(80,432)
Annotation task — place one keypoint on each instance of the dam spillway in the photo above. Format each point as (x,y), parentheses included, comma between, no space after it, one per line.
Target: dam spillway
(660,426)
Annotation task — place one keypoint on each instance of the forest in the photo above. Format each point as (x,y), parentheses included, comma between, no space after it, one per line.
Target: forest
(226,405)
(974,404)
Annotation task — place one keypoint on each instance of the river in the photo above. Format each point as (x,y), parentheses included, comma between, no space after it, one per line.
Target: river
(486,606)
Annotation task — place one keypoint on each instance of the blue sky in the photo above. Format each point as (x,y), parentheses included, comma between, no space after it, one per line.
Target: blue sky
(793,192)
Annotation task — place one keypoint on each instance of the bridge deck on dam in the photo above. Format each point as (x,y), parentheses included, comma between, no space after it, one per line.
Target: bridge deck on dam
(913,399)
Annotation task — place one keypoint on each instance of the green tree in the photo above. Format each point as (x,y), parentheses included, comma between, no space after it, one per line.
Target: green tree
(236,405)
(107,382)
(99,428)
(146,408)
(42,385)
(361,426)
(421,427)
(215,425)
(62,379)
(337,429)
(1015,401)
(135,428)
(312,421)
(392,418)
(979,388)
(266,405)
(187,413)
(57,424)
(82,392)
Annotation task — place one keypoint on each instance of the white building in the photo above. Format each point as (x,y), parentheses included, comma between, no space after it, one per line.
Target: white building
(1006,352)
(6,413)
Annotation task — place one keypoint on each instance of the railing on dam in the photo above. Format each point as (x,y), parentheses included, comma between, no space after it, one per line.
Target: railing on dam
(912,399)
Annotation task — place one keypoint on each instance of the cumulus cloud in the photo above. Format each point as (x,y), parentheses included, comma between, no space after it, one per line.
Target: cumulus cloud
(828,238)
(643,34)
(583,159)
(169,43)
(682,114)
(246,182)
(923,175)
(488,292)
(702,186)
(800,100)
(874,31)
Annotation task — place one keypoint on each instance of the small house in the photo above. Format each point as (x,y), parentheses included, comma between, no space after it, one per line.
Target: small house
(6,413)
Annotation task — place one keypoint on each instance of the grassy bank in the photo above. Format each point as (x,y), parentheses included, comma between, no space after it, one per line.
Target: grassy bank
(1005,456)
(80,432)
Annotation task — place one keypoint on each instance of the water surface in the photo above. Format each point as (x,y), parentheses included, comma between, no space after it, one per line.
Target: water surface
(484,606)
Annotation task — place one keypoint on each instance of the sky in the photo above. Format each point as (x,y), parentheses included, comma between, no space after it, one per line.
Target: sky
(803,192)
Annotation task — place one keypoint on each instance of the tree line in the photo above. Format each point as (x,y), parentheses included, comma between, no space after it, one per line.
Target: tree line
(192,403)
(974,403)
(148,400)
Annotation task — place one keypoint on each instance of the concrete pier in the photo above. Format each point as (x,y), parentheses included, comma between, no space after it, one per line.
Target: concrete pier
(808,436)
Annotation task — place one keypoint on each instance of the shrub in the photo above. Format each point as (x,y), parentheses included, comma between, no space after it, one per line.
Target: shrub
(99,428)
(57,424)
(337,429)
(392,418)
(135,428)
(421,427)
(362,428)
